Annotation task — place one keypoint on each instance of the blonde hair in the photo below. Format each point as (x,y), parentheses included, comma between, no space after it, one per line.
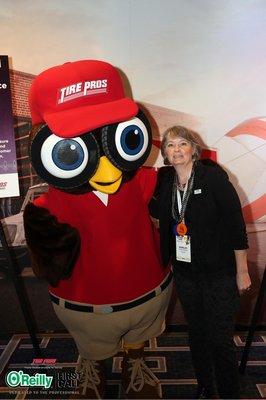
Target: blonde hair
(179,131)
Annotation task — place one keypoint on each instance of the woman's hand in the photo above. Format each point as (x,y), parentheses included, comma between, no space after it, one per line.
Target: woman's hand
(243,282)
(155,222)
(242,276)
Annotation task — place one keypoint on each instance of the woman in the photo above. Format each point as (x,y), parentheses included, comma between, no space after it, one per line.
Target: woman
(203,234)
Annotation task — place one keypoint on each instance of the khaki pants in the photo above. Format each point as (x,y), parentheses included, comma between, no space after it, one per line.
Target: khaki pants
(100,336)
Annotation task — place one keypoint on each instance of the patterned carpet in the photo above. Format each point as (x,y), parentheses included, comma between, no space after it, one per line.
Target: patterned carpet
(168,357)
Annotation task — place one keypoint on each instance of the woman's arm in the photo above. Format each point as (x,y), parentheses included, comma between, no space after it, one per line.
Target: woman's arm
(230,207)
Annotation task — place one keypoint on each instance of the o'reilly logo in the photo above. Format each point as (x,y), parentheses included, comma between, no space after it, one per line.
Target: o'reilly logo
(81,89)
(18,378)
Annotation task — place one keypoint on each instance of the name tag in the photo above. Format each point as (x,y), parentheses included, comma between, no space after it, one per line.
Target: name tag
(197,191)
(183,248)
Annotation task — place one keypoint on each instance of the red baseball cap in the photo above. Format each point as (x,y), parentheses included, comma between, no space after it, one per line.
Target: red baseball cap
(76,97)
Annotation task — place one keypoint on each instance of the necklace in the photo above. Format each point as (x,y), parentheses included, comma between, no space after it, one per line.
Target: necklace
(180,186)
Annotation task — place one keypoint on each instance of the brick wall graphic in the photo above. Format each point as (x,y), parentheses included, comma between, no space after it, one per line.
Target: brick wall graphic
(20,85)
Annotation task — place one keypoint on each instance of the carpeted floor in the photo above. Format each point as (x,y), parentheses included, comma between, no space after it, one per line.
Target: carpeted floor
(168,357)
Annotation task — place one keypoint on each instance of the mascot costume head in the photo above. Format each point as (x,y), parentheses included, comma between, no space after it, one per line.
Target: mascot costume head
(93,134)
(90,235)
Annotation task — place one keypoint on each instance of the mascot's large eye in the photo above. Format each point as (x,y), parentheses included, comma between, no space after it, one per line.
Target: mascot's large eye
(128,143)
(64,158)
(64,163)
(69,154)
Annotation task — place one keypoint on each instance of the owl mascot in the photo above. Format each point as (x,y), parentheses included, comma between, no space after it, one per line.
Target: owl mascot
(90,235)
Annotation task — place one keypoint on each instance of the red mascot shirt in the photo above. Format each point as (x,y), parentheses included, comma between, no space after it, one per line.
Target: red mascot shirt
(119,258)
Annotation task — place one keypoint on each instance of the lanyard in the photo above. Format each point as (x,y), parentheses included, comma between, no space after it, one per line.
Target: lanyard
(179,199)
(181,203)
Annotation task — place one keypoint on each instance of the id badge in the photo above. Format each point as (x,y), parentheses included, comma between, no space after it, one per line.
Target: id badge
(183,248)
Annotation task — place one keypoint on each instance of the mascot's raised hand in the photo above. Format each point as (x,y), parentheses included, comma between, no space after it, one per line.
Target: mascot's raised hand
(90,235)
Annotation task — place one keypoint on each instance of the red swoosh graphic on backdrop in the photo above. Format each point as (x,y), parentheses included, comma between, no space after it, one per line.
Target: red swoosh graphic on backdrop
(255,210)
(156,143)
(254,127)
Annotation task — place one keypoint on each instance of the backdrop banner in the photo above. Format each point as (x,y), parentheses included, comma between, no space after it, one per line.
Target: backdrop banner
(9,186)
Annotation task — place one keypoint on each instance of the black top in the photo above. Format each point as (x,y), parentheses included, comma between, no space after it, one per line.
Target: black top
(213,216)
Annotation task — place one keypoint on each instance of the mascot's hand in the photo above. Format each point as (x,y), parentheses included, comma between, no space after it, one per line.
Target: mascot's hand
(54,247)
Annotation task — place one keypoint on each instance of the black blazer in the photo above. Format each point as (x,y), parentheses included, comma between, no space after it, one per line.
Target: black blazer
(213,217)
